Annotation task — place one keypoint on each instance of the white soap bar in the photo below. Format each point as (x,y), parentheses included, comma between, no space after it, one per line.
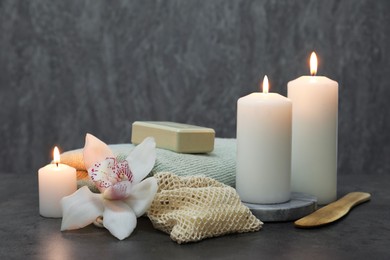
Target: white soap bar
(177,137)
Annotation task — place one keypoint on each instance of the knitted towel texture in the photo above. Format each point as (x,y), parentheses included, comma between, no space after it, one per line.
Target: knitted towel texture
(192,208)
(220,164)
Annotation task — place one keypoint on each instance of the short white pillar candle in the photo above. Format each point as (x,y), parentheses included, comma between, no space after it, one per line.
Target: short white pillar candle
(263,147)
(55,181)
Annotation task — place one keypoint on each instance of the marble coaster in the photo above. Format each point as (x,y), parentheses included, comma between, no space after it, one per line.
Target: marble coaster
(298,206)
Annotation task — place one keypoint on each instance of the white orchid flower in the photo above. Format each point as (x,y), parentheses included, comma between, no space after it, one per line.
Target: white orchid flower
(124,196)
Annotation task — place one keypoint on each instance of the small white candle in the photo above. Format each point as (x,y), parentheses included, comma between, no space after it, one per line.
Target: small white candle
(263,147)
(314,135)
(55,181)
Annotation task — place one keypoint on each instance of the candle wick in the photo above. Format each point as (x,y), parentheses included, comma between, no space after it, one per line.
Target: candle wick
(57,164)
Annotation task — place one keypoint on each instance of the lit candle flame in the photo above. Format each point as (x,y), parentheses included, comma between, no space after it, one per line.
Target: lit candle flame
(265,84)
(313,64)
(56,156)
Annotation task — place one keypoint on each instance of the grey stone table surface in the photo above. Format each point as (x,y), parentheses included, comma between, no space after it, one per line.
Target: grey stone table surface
(364,233)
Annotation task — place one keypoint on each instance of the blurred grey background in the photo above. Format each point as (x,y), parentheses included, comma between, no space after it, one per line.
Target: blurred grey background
(72,67)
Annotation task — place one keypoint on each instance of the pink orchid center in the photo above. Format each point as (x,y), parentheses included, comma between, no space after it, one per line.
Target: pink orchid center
(109,172)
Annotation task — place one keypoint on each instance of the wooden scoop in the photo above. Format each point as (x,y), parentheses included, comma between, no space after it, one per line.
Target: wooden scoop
(333,211)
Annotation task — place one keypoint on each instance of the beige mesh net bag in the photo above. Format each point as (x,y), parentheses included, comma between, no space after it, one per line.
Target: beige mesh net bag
(195,207)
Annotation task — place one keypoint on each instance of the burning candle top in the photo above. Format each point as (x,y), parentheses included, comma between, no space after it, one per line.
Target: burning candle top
(313,64)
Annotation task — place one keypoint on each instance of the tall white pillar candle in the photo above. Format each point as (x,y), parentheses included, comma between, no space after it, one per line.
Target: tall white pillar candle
(263,147)
(314,135)
(55,181)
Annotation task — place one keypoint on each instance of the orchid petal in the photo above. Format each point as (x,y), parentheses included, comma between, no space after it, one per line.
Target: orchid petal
(142,158)
(95,151)
(118,218)
(118,191)
(142,196)
(80,209)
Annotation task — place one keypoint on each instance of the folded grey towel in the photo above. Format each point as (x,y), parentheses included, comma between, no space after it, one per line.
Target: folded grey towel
(220,164)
